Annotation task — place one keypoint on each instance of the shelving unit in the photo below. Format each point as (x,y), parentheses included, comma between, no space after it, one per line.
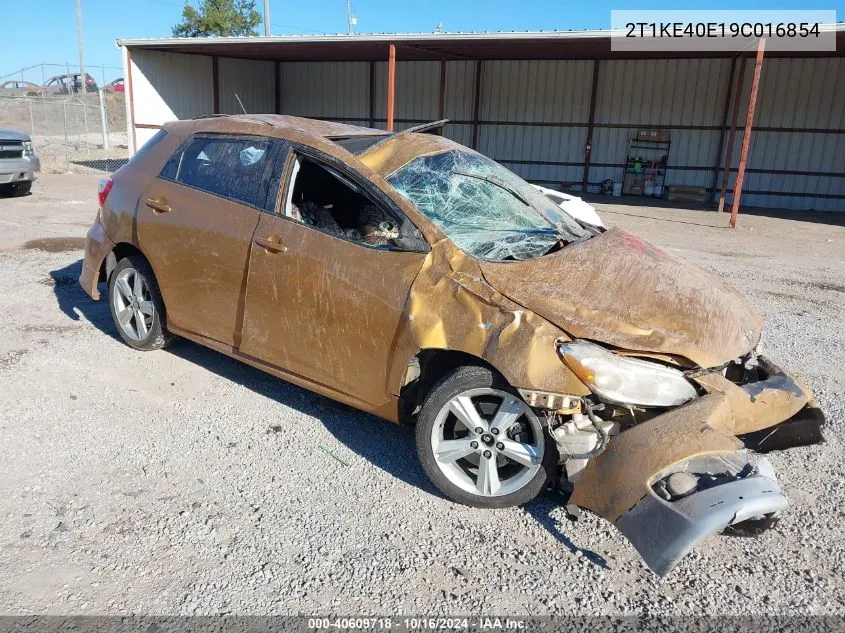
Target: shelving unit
(646,164)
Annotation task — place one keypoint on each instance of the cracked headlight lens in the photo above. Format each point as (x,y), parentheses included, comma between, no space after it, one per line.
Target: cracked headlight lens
(623,380)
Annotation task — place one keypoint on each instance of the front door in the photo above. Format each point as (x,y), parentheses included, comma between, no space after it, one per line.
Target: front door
(326,291)
(195,226)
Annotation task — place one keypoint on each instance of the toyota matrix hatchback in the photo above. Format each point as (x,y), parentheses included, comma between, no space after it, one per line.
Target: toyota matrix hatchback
(418,280)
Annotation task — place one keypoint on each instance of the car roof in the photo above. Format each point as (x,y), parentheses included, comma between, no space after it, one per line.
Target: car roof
(313,127)
(389,151)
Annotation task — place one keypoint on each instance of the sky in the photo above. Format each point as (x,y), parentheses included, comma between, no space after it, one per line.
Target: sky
(48,27)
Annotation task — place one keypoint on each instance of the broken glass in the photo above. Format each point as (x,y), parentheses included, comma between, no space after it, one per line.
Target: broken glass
(485,209)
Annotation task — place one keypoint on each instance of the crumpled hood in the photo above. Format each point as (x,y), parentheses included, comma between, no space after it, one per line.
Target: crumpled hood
(620,290)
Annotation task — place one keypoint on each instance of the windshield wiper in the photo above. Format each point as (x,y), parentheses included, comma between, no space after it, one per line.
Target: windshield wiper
(495,181)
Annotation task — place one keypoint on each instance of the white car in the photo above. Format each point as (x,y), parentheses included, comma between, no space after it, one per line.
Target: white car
(19,166)
(574,206)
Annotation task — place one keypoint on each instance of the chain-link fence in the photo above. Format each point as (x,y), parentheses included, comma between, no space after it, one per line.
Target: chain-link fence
(73,131)
(76,131)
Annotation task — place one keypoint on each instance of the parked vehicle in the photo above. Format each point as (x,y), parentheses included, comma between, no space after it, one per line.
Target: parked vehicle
(19,89)
(115,86)
(416,279)
(69,84)
(19,166)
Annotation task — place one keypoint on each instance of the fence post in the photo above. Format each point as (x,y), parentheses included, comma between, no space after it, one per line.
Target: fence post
(31,119)
(85,120)
(64,115)
(103,122)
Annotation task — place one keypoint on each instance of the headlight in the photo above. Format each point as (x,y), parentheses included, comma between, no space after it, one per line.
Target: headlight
(27,148)
(626,380)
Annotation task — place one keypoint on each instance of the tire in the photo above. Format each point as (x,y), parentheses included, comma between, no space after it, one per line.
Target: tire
(16,189)
(456,468)
(143,329)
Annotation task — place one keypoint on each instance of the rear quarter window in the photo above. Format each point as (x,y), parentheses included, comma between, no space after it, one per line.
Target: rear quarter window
(231,168)
(157,138)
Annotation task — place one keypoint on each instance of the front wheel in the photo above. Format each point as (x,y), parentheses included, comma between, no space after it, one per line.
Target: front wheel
(16,189)
(136,305)
(480,444)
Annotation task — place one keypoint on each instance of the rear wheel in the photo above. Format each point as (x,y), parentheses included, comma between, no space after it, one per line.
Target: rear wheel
(136,305)
(480,444)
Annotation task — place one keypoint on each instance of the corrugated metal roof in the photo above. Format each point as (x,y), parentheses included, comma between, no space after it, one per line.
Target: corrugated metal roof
(585,44)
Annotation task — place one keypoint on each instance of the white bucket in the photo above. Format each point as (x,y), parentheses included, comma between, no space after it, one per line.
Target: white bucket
(617,189)
(648,189)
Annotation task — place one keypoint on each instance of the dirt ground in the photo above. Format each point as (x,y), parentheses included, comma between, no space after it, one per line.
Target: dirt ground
(180,481)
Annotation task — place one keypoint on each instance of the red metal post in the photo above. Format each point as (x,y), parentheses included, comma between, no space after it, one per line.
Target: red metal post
(729,155)
(391,85)
(746,137)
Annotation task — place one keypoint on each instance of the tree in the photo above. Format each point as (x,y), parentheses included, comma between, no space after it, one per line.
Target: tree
(218,17)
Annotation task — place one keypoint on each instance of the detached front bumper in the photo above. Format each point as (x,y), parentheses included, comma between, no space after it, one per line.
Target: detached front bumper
(97,247)
(775,412)
(663,531)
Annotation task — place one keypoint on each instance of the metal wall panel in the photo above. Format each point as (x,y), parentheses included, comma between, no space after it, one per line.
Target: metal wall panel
(169,86)
(417,95)
(510,144)
(326,90)
(800,92)
(631,95)
(460,91)
(252,80)
(659,93)
(664,92)
(795,93)
(536,90)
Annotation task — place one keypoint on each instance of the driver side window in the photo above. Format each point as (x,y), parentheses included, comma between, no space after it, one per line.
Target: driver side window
(324,198)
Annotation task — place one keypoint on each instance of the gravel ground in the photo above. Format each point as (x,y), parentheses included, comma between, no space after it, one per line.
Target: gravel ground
(182,482)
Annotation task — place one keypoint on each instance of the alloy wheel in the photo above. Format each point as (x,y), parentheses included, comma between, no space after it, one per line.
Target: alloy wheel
(487,442)
(133,304)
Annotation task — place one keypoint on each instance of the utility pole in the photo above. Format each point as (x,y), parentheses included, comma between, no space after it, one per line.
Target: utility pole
(351,20)
(82,79)
(267,18)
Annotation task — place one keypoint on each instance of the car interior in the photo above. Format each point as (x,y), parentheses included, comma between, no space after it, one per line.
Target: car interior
(324,198)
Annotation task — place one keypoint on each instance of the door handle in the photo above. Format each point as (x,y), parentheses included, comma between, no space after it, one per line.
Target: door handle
(271,244)
(158,205)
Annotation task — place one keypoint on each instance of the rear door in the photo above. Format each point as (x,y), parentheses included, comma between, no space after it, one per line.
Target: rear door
(195,225)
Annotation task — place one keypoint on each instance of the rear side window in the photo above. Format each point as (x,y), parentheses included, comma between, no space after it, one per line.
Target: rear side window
(231,168)
(157,138)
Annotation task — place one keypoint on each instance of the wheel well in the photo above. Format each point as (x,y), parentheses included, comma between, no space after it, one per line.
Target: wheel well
(432,365)
(121,250)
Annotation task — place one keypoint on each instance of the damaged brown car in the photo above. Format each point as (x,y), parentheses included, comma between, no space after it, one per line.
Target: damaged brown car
(418,280)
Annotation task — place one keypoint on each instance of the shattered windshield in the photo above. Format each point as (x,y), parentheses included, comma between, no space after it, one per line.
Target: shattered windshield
(485,209)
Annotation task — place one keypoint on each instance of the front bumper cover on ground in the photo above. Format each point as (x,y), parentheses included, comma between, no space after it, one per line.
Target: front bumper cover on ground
(663,532)
(773,413)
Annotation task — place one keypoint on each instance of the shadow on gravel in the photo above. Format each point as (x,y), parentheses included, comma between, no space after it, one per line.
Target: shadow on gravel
(75,303)
(541,510)
(387,446)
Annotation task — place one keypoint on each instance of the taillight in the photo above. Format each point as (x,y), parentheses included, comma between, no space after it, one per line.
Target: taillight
(103,188)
